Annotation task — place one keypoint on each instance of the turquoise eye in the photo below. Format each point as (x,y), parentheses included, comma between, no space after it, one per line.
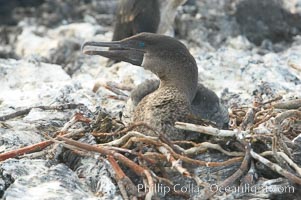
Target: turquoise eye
(141,44)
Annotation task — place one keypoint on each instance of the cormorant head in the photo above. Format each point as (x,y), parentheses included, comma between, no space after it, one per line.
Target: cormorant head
(164,56)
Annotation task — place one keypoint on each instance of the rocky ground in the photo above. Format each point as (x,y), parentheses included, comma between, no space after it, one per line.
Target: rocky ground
(41,64)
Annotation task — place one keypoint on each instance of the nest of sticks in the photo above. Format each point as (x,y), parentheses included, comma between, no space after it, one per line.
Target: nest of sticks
(274,124)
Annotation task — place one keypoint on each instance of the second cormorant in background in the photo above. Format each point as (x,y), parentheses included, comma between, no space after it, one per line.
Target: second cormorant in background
(137,16)
(178,94)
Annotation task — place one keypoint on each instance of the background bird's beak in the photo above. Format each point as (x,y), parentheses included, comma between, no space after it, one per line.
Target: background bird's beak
(119,50)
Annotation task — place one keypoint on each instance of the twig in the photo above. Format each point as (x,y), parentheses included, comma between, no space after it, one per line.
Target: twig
(248,119)
(171,185)
(126,129)
(178,142)
(294,66)
(288,105)
(151,185)
(174,163)
(118,97)
(286,158)
(119,178)
(238,111)
(261,131)
(78,117)
(290,113)
(121,150)
(199,181)
(262,112)
(120,86)
(75,132)
(167,141)
(111,84)
(272,100)
(34,155)
(209,130)
(251,177)
(278,120)
(42,145)
(27,110)
(186,159)
(21,151)
(138,137)
(136,168)
(124,182)
(207,145)
(276,168)
(244,167)
(161,179)
(198,120)
(156,158)
(121,141)
(268,116)
(72,148)
(110,87)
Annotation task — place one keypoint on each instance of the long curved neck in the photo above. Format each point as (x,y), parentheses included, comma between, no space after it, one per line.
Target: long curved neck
(182,78)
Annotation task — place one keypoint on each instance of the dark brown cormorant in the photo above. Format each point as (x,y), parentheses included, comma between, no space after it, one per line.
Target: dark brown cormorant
(136,16)
(178,95)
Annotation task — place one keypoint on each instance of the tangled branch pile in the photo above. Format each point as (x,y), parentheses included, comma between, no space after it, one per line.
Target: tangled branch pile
(264,133)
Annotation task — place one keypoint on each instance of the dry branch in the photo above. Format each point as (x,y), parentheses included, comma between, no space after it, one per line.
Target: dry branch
(118,97)
(126,130)
(288,105)
(110,86)
(120,86)
(21,151)
(190,160)
(294,66)
(217,132)
(278,138)
(27,110)
(276,168)
(207,145)
(289,113)
(140,171)
(249,118)
(174,163)
(286,158)
(205,130)
(125,184)
(121,141)
(244,167)
(42,145)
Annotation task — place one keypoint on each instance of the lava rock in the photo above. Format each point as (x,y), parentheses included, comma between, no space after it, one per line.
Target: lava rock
(8,9)
(267,19)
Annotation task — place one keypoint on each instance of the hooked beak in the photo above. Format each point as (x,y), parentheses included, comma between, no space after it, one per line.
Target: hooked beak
(119,50)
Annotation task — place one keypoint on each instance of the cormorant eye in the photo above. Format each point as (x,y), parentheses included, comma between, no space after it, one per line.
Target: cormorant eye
(141,44)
